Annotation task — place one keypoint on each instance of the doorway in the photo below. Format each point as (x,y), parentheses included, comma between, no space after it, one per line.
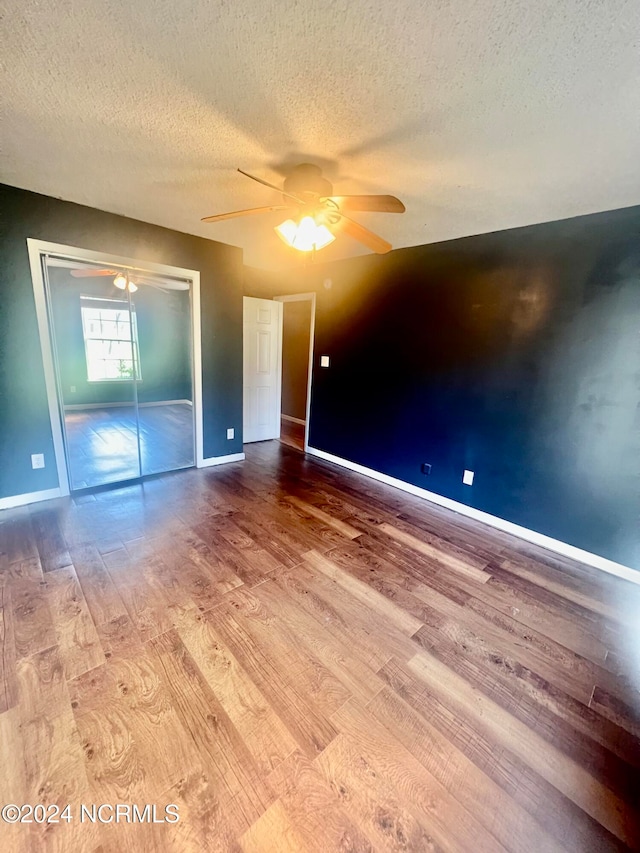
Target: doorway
(277,368)
(120,343)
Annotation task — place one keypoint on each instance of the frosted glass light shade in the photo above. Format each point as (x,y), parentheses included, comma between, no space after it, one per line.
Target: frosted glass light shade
(124,283)
(305,235)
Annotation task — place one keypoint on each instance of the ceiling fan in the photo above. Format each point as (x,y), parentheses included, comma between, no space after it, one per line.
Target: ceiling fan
(129,281)
(317,213)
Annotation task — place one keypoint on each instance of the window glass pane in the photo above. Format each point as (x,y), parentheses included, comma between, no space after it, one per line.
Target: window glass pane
(96,370)
(121,369)
(122,331)
(109,329)
(95,350)
(110,369)
(108,343)
(122,349)
(93,373)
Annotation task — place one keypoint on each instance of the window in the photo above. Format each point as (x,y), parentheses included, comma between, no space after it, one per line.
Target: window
(107,326)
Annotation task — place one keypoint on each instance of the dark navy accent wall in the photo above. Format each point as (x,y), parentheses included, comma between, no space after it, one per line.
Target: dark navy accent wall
(514,354)
(24,418)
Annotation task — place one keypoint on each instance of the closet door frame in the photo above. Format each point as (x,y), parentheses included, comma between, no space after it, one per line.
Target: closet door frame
(38,250)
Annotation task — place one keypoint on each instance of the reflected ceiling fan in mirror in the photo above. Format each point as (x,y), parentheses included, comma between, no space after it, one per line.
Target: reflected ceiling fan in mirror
(128,280)
(316,213)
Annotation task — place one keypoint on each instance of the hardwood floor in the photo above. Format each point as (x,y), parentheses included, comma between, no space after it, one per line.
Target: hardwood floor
(103,444)
(292,434)
(303,660)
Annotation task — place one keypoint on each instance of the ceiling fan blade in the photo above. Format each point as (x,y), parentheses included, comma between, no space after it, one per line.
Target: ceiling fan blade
(363,235)
(155,286)
(249,212)
(376,203)
(164,284)
(91,273)
(272,186)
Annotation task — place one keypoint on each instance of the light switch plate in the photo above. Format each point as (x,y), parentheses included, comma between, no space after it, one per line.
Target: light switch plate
(467,478)
(231,432)
(37,460)
(324,361)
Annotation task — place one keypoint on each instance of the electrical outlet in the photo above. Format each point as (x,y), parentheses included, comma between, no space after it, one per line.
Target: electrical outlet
(37,460)
(231,432)
(467,478)
(324,361)
(73,389)
(425,468)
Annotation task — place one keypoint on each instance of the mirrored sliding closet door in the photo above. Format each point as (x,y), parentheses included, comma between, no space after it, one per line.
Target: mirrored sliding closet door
(122,346)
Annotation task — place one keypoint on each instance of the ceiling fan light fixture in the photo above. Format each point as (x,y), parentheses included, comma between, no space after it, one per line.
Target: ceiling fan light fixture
(305,186)
(123,282)
(305,235)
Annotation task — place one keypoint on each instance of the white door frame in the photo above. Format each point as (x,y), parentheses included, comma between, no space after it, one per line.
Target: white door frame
(305,297)
(37,249)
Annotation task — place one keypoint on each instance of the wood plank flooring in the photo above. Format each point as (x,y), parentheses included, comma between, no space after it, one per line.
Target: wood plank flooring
(303,660)
(292,434)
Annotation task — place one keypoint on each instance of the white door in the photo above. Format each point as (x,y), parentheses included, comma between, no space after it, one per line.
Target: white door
(262,368)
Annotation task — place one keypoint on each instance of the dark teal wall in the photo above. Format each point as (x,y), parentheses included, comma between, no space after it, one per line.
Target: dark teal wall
(514,354)
(164,333)
(24,418)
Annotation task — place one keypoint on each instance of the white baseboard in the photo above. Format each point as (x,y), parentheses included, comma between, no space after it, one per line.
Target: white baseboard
(77,407)
(540,539)
(293,420)
(221,460)
(30,498)
(166,403)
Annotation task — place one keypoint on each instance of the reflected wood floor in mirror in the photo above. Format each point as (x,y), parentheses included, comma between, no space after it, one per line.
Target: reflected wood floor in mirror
(103,447)
(304,660)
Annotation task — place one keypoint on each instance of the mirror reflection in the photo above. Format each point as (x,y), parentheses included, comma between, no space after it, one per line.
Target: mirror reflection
(123,352)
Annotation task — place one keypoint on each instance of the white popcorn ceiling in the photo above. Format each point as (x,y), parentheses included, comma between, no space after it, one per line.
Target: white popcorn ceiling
(479,114)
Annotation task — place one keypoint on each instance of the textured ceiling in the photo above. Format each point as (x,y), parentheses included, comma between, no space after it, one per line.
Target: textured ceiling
(479,114)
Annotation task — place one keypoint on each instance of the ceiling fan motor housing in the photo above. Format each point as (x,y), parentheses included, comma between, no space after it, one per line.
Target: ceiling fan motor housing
(306,180)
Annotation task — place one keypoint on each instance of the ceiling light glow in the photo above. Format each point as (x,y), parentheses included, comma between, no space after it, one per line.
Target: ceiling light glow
(123,282)
(305,235)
